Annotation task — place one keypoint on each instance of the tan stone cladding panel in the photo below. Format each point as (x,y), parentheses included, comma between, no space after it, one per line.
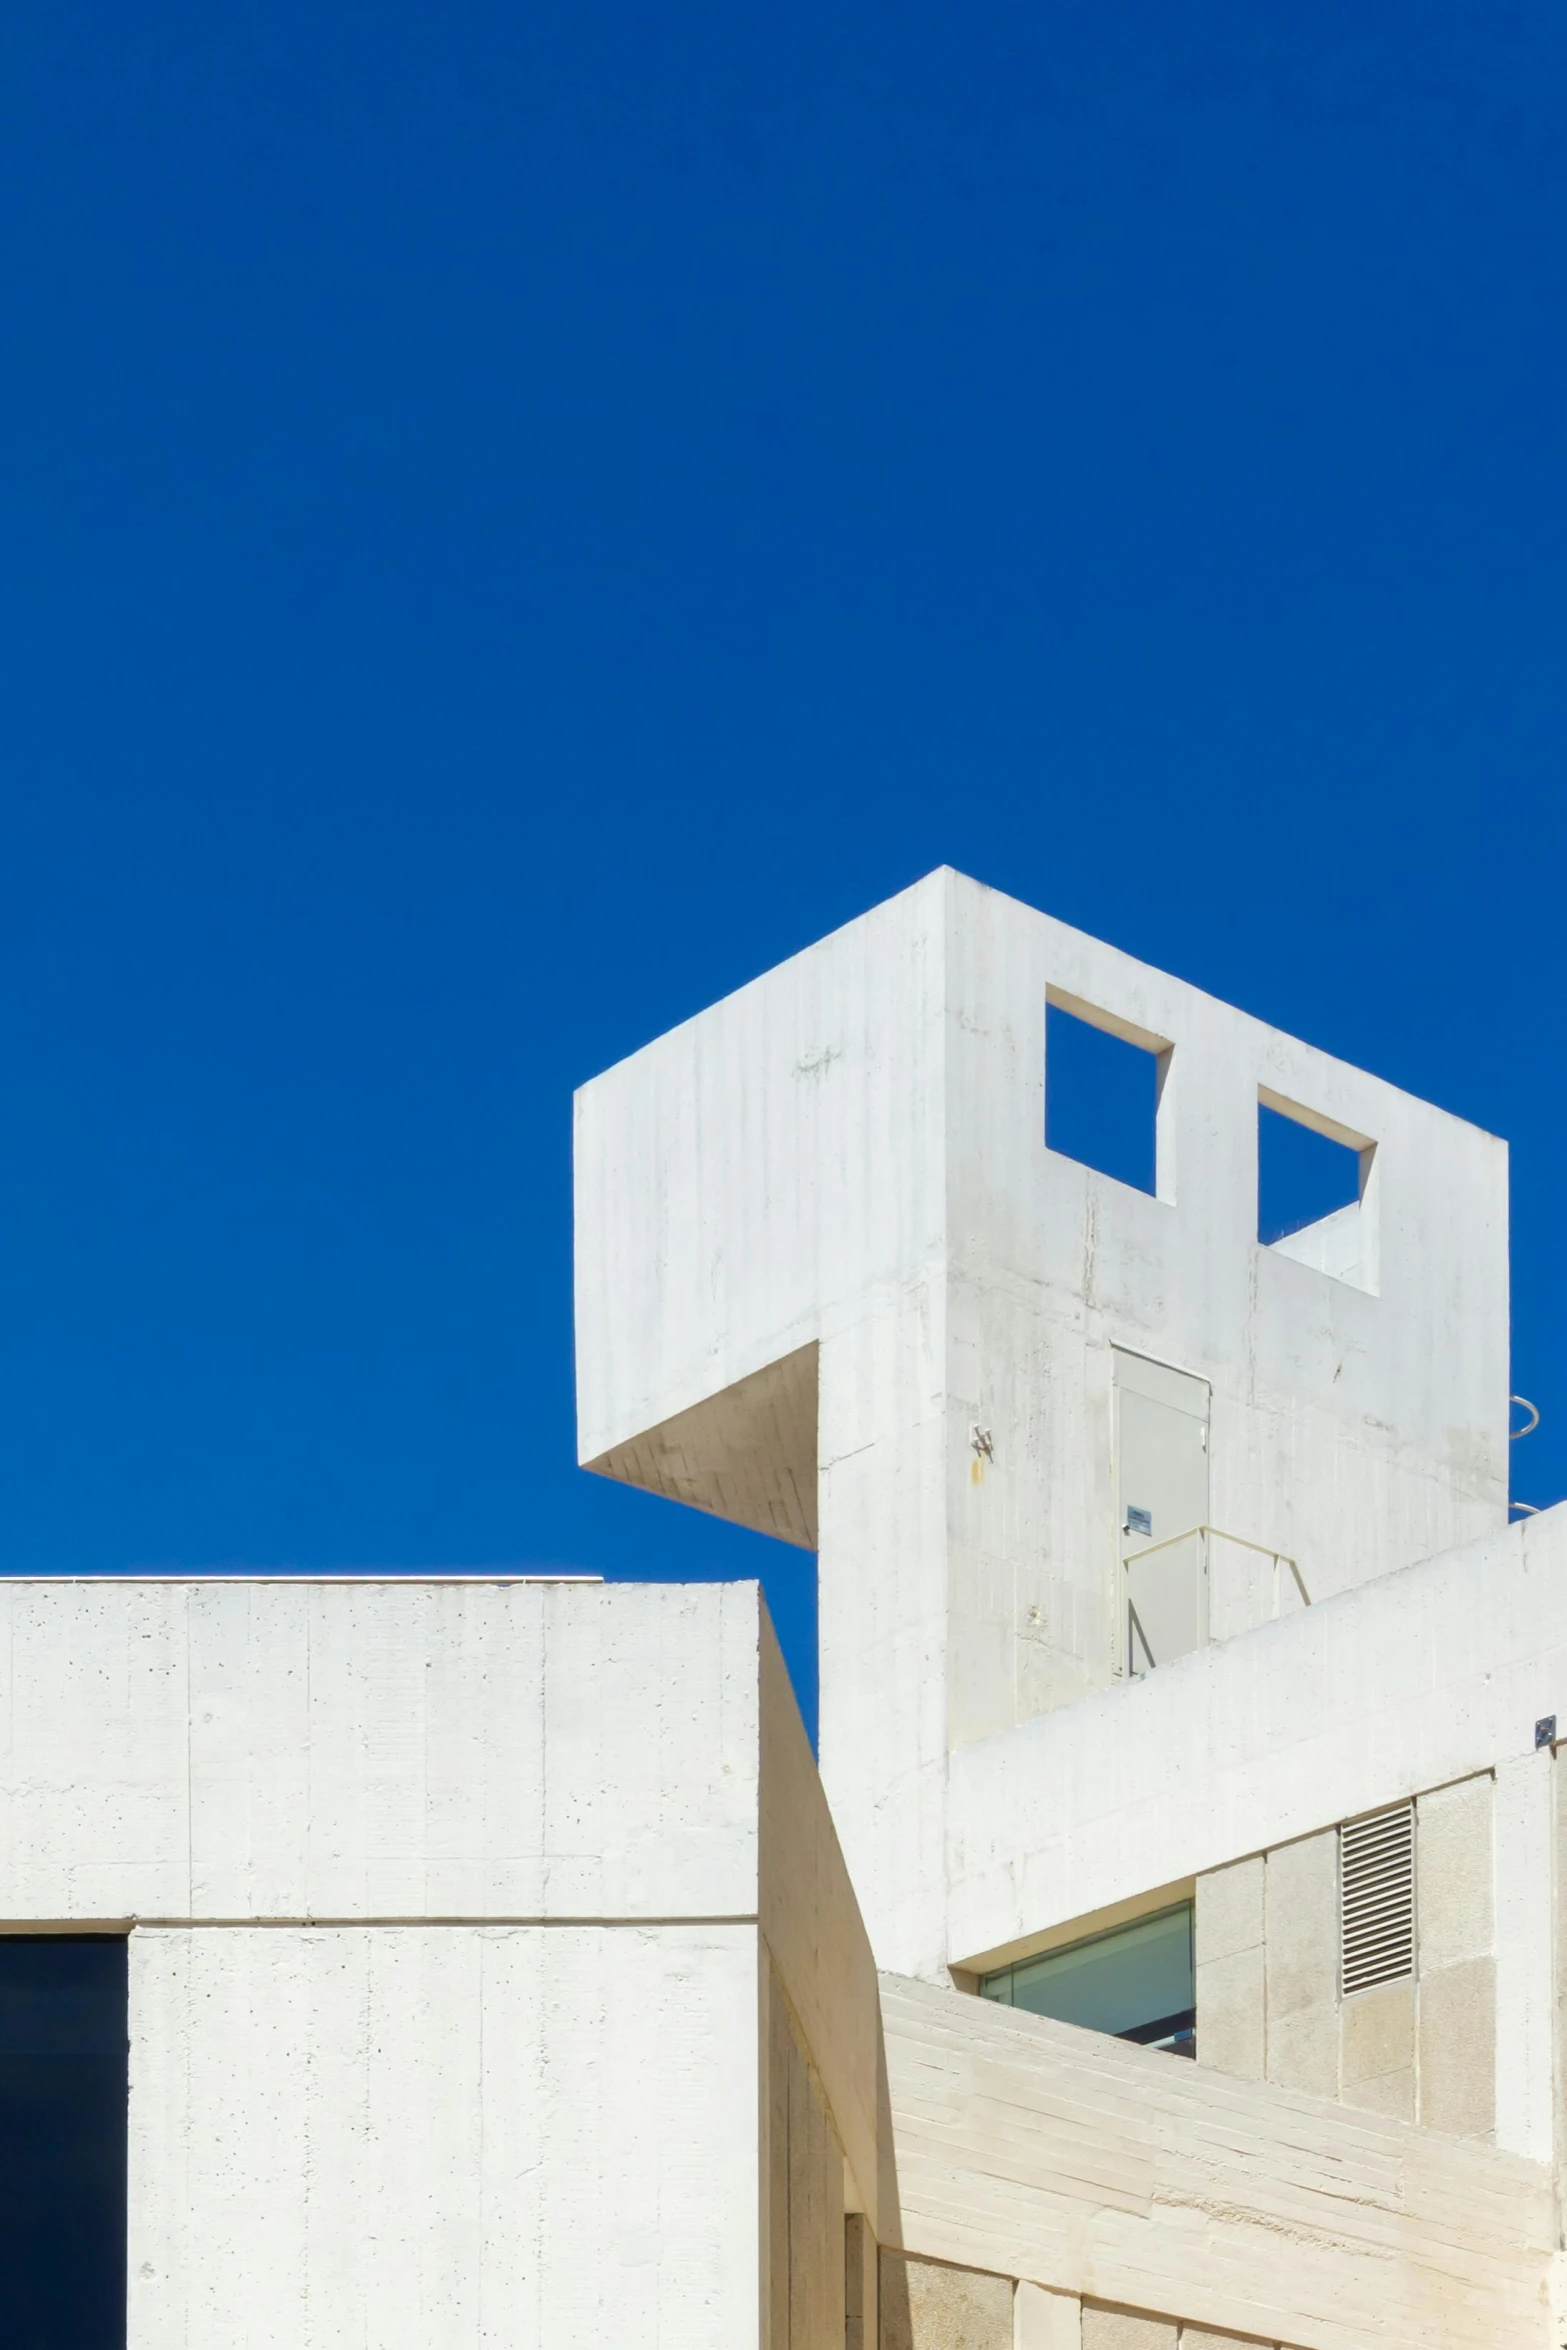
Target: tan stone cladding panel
(1231,2006)
(1455,1912)
(928,2306)
(1458,2049)
(1042,2320)
(1303,2051)
(1302,1965)
(1268,2001)
(1379,2032)
(1126,2329)
(1454,1900)
(1232,2014)
(1378,2050)
(1229,1910)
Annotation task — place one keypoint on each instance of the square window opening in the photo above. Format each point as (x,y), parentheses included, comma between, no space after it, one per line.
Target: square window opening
(1313,1186)
(1136,1982)
(1102,1099)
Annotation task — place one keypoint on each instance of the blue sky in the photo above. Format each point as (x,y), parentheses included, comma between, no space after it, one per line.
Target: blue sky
(516,519)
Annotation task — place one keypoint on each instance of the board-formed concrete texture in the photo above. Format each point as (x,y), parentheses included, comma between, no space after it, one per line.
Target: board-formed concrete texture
(840,1175)
(1068,2158)
(433,2134)
(397,1750)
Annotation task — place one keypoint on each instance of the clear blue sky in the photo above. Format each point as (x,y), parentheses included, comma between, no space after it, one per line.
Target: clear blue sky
(517,518)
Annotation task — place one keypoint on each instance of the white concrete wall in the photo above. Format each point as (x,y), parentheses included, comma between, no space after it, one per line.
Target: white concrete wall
(1420,1679)
(849,1154)
(461,1916)
(766,1177)
(520,2138)
(1526,1961)
(1353,1431)
(239,1749)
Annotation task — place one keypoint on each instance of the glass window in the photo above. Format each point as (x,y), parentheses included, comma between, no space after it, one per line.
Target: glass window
(1136,1982)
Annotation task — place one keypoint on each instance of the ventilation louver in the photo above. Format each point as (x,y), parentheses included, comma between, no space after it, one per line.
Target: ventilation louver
(1377,1898)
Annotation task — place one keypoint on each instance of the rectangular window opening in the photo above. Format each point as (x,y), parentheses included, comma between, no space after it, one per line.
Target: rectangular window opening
(63,2092)
(1102,1098)
(1313,1182)
(1136,1982)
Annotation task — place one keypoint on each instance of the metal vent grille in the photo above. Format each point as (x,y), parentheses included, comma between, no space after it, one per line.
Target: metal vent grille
(1377,1898)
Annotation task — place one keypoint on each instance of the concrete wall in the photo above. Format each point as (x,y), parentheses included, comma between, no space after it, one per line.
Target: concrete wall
(818,1946)
(464,2135)
(805,2289)
(291,1750)
(578,2125)
(768,1185)
(840,1174)
(495,1976)
(1172,2195)
(1336,1409)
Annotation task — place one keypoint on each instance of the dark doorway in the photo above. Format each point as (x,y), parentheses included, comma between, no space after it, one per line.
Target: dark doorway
(63,2087)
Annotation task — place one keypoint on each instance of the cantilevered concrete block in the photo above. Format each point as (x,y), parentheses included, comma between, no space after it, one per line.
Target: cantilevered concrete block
(822,1246)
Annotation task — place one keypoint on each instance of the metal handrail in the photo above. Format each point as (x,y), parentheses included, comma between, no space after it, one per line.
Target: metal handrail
(1244,1542)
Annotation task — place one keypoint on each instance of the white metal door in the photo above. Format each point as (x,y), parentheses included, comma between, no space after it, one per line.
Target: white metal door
(1161,1482)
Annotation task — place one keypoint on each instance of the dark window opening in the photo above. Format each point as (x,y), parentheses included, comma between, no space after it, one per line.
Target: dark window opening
(63,2087)
(1137,1982)
(1101,1100)
(1302,1176)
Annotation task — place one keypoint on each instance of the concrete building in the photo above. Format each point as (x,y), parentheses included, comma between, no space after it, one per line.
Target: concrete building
(1170,1949)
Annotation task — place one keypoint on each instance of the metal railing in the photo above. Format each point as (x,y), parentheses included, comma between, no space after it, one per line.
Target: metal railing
(1280,1558)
